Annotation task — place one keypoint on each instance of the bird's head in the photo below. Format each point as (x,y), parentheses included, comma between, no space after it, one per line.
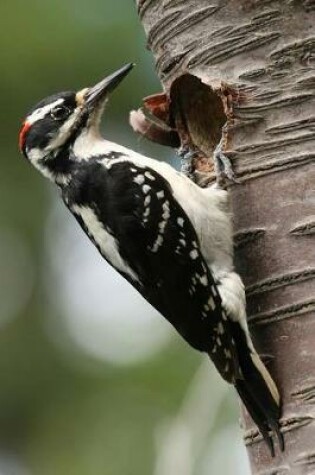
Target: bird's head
(54,124)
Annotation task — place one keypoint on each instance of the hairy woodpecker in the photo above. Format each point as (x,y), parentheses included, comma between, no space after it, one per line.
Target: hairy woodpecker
(169,238)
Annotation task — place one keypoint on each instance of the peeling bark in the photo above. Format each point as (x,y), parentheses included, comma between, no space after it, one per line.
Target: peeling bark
(265,50)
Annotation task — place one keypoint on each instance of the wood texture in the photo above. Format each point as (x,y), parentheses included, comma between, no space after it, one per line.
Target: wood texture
(266,50)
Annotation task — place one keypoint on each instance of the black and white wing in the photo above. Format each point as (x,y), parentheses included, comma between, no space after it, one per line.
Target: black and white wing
(145,234)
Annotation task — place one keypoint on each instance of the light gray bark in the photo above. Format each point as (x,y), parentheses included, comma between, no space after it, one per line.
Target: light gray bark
(265,49)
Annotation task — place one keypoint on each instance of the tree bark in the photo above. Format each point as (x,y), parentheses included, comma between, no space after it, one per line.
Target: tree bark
(260,56)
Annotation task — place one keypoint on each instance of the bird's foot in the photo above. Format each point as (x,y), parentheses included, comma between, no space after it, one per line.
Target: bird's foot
(222,165)
(186,155)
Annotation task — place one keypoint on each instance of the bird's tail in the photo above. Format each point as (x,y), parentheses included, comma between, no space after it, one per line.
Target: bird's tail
(257,390)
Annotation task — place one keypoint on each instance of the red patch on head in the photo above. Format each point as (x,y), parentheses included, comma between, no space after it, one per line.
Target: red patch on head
(22,137)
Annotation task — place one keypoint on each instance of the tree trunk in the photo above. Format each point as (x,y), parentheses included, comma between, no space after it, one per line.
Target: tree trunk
(262,54)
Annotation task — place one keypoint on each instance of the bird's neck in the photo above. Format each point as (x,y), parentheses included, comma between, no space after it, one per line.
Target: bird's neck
(58,165)
(91,144)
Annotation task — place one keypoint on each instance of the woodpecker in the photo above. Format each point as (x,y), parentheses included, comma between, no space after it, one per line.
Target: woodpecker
(170,239)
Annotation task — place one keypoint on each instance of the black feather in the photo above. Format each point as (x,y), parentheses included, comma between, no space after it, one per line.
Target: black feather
(255,412)
(255,393)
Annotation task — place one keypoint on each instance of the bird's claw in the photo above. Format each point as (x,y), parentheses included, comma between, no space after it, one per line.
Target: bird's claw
(186,155)
(222,165)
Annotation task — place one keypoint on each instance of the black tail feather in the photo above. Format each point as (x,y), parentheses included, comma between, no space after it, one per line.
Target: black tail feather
(256,414)
(265,415)
(257,390)
(276,429)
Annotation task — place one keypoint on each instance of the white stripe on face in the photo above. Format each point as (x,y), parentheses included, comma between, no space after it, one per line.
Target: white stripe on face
(64,132)
(40,113)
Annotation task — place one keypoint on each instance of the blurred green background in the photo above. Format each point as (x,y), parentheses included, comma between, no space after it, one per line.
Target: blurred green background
(92,380)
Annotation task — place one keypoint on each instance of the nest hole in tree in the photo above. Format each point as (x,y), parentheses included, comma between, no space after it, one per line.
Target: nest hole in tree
(190,116)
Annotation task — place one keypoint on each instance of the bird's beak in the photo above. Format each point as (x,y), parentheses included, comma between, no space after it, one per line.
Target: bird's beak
(94,95)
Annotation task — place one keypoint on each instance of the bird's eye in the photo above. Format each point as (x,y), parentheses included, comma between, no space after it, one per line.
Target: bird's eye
(60,113)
